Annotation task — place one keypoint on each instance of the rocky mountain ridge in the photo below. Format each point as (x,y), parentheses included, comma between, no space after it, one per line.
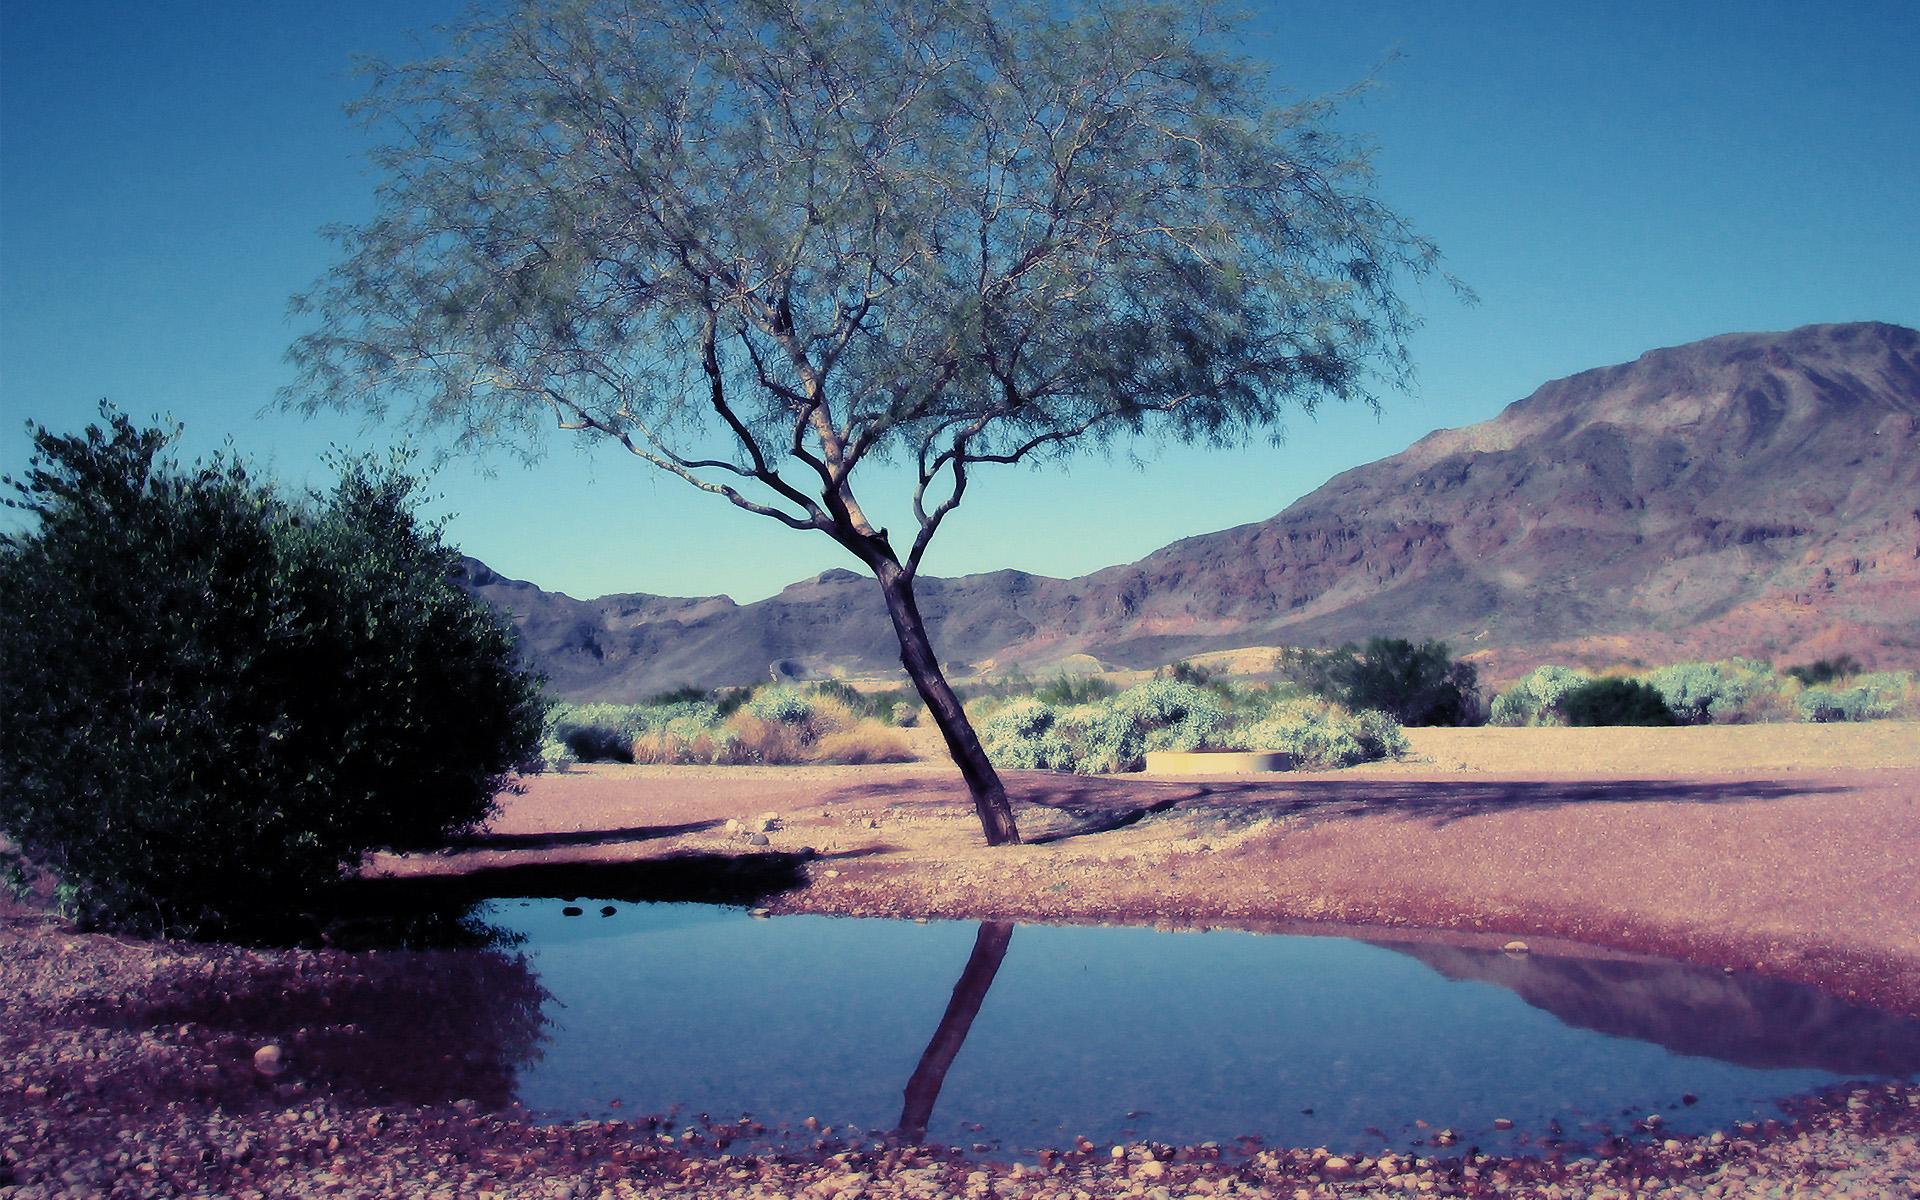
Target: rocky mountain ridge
(1748,494)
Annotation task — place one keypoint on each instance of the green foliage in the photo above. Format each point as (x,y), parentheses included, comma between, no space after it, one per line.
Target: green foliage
(686,693)
(1193,673)
(781,706)
(1116,734)
(1536,699)
(1417,685)
(1066,690)
(883,706)
(1825,670)
(215,700)
(1020,736)
(1324,735)
(1704,692)
(1872,697)
(1614,701)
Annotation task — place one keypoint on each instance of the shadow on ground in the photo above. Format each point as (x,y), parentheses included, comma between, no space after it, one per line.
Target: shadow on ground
(487,840)
(1099,805)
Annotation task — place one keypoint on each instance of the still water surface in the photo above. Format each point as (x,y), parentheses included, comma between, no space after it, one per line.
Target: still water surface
(1114,1033)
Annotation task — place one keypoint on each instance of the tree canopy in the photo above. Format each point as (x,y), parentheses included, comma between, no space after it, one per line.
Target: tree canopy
(761,242)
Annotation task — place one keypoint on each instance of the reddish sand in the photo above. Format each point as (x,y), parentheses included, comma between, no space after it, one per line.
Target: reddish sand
(1759,848)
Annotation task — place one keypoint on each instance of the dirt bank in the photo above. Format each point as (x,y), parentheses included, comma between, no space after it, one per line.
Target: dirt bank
(1788,850)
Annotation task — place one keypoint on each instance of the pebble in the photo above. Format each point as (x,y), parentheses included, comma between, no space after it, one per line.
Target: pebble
(1516,946)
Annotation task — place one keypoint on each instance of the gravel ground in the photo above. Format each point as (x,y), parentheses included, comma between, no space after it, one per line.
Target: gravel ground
(131,1068)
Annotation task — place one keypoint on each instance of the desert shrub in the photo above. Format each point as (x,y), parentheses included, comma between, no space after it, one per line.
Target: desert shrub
(782,706)
(1324,735)
(728,701)
(1700,692)
(1191,672)
(1169,715)
(1416,684)
(1020,736)
(215,699)
(1872,697)
(867,742)
(595,743)
(1064,691)
(878,706)
(686,693)
(1825,670)
(1614,701)
(1536,699)
(556,755)
(1105,736)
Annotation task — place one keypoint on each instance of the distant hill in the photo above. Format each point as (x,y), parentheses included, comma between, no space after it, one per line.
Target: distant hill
(1749,494)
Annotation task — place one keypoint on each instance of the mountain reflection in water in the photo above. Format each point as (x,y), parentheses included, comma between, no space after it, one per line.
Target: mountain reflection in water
(1767,1024)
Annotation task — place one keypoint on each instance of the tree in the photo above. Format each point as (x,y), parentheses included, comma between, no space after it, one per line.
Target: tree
(762,243)
(1614,701)
(214,699)
(1416,685)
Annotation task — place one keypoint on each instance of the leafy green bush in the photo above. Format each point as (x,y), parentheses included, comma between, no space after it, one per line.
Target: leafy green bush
(1825,670)
(1702,692)
(1020,736)
(1873,697)
(215,700)
(1066,690)
(1614,701)
(1535,700)
(1416,685)
(686,693)
(1324,735)
(1116,734)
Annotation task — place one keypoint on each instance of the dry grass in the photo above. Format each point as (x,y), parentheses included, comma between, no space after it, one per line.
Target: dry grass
(867,742)
(831,734)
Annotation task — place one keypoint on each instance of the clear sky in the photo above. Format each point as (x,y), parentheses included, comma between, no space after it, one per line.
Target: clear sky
(1609,176)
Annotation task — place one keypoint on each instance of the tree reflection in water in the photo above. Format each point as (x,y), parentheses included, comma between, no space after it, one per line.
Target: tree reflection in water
(923,1088)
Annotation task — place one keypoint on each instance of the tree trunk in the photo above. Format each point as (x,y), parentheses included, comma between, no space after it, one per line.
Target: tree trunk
(916,655)
(923,1089)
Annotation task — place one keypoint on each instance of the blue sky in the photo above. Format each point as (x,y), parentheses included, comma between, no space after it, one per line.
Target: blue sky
(1609,177)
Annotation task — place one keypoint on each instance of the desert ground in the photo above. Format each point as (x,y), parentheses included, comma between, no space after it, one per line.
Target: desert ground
(1786,850)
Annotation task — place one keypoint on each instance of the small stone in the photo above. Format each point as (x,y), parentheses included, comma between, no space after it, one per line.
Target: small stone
(1151,1169)
(607,910)
(758,839)
(1337,1168)
(1516,946)
(571,910)
(1502,1123)
(761,912)
(831,874)
(1119,1152)
(268,1059)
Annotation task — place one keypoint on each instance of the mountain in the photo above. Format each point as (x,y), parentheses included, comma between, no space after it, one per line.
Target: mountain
(1753,494)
